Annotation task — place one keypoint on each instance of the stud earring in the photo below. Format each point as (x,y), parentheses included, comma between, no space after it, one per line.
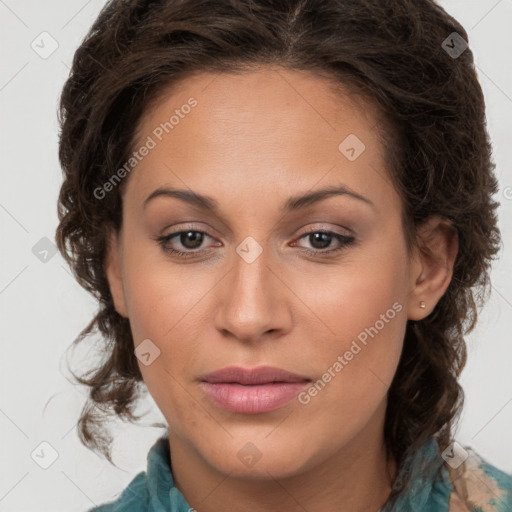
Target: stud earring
(422,305)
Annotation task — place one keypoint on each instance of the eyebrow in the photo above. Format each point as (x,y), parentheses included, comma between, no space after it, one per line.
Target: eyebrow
(292,204)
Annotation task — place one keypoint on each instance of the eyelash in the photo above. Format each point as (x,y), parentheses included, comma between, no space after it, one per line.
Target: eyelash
(343,239)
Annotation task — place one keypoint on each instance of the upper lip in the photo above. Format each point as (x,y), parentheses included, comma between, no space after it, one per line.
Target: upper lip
(258,375)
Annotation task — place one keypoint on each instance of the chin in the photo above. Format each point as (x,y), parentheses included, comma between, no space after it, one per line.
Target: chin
(260,461)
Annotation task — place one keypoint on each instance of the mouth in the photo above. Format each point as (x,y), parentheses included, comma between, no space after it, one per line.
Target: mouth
(253,390)
(253,376)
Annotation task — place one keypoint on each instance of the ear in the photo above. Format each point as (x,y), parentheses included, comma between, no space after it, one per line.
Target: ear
(432,268)
(113,272)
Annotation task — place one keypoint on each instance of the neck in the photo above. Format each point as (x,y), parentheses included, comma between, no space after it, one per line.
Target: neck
(356,478)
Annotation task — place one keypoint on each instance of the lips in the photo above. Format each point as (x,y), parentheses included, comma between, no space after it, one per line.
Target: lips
(252,376)
(253,390)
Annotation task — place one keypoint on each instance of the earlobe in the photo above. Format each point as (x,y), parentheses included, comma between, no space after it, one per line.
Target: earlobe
(433,268)
(113,272)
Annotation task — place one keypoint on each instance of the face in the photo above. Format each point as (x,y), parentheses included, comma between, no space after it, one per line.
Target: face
(319,287)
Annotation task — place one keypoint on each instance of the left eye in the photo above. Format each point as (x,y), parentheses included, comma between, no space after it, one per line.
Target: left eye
(191,240)
(323,239)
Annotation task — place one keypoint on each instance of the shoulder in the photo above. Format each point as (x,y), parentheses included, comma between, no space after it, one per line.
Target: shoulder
(476,485)
(454,480)
(133,498)
(152,489)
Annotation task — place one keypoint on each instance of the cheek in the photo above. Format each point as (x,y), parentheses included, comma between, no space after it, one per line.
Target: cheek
(160,294)
(167,305)
(362,316)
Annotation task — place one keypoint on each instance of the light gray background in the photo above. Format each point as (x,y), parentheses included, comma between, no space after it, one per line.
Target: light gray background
(43,308)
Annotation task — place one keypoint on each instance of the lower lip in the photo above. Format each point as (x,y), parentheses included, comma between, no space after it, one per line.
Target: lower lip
(253,399)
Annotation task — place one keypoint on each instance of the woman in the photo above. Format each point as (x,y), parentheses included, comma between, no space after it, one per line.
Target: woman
(285,211)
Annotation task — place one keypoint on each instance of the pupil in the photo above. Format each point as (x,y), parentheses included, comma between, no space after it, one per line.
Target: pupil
(195,236)
(326,237)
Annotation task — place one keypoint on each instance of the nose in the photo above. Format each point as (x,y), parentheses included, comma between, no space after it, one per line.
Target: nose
(253,301)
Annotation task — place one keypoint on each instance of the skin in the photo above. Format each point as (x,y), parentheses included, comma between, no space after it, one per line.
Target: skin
(254,140)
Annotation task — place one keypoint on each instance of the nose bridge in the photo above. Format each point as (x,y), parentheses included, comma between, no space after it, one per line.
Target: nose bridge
(248,308)
(251,269)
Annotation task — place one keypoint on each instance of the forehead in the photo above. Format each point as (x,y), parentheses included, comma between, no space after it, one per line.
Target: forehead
(252,130)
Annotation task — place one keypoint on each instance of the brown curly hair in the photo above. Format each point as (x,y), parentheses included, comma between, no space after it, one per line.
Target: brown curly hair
(433,124)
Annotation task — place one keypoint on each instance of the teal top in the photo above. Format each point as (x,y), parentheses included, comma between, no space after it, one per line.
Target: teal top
(460,482)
